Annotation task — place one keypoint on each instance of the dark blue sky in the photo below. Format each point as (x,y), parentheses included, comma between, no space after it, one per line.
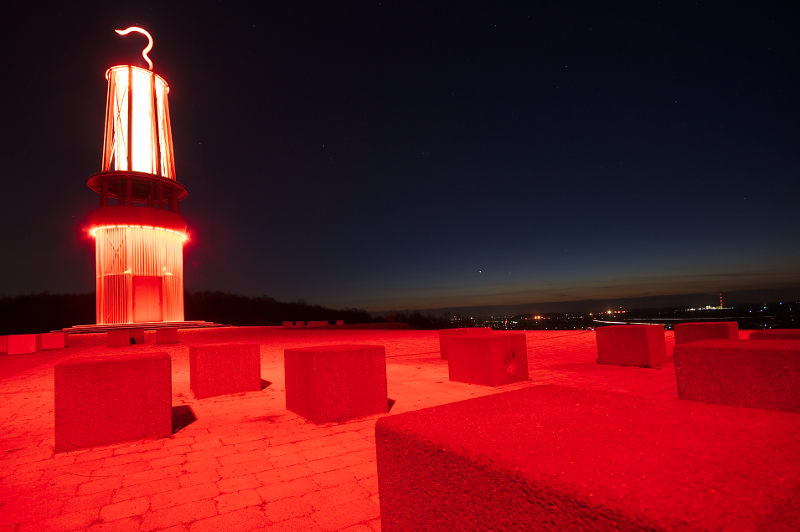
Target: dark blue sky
(384,155)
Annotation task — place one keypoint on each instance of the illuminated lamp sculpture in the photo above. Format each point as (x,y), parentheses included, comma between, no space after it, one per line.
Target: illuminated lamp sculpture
(138,241)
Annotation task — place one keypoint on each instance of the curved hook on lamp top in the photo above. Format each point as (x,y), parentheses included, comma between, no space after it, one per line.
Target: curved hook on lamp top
(149,44)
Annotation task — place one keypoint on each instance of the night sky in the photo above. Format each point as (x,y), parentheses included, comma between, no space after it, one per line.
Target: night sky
(394,155)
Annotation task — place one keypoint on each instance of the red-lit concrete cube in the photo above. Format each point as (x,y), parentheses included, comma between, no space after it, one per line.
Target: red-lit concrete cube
(118,338)
(167,335)
(54,340)
(336,382)
(287,324)
(339,322)
(4,345)
(491,360)
(223,369)
(300,324)
(137,335)
(750,373)
(776,334)
(22,344)
(557,458)
(631,345)
(711,330)
(446,334)
(108,399)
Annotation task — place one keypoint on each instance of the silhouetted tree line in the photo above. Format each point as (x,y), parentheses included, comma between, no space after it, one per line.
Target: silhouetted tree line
(234,309)
(37,313)
(417,320)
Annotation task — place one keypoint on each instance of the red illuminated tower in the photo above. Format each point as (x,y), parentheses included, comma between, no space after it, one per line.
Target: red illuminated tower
(139,237)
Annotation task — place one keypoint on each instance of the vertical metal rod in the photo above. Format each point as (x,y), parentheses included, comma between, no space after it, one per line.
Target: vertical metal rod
(154,103)
(130,118)
(108,134)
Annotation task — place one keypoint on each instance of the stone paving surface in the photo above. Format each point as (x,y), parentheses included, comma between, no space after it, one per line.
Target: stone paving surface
(246,463)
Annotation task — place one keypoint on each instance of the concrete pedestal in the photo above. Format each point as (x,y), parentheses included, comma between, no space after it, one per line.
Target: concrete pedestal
(750,373)
(223,369)
(445,335)
(167,335)
(54,340)
(776,334)
(491,360)
(23,344)
(137,335)
(711,330)
(112,398)
(336,382)
(118,338)
(631,345)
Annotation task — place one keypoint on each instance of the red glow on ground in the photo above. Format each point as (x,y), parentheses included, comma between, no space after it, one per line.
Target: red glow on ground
(246,462)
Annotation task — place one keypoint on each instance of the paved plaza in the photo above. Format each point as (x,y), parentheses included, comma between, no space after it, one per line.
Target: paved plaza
(243,462)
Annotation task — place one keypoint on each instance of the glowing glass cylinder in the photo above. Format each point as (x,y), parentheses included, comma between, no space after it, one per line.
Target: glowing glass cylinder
(127,255)
(138,135)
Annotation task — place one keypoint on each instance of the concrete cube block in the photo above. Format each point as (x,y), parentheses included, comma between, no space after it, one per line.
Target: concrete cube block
(711,330)
(490,360)
(223,369)
(118,338)
(334,383)
(137,335)
(339,322)
(751,373)
(167,335)
(300,324)
(631,345)
(23,344)
(108,399)
(54,340)
(555,458)
(446,334)
(287,324)
(776,334)
(3,345)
